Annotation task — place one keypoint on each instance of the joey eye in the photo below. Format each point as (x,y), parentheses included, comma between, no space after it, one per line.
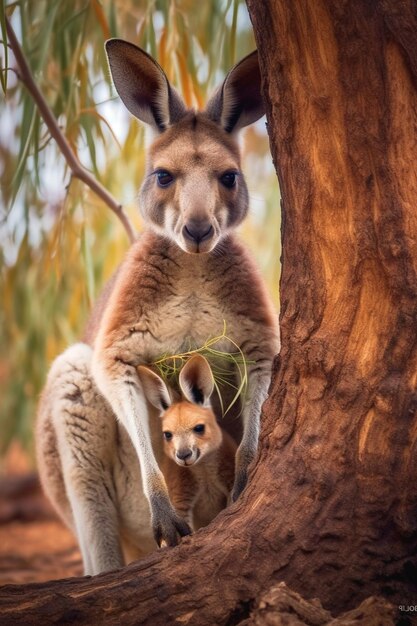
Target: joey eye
(228,179)
(199,429)
(164,178)
(167,435)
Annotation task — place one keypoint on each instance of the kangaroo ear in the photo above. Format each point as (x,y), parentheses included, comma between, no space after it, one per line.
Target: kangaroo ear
(238,101)
(143,86)
(196,380)
(154,387)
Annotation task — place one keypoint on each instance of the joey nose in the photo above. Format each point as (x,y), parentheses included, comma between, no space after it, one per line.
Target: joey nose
(183,454)
(197,230)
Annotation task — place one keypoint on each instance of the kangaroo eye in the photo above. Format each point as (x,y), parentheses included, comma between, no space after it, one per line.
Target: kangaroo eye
(228,179)
(167,435)
(164,178)
(199,429)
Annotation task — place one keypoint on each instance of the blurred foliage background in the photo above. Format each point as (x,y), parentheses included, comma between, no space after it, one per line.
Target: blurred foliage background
(59,242)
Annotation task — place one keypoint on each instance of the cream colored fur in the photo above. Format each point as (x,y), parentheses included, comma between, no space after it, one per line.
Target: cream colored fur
(185,278)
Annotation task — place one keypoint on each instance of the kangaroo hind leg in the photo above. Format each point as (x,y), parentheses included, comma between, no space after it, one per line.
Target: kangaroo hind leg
(85,430)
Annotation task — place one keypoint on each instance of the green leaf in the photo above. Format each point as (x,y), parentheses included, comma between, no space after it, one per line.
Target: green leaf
(112,19)
(151,34)
(87,124)
(71,19)
(232,46)
(88,264)
(26,132)
(36,142)
(3,70)
(46,35)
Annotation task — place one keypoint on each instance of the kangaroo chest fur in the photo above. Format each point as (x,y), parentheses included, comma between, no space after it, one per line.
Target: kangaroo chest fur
(166,301)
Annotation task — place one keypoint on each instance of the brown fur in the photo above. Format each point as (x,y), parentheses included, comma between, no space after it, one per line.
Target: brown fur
(185,278)
(201,490)
(199,456)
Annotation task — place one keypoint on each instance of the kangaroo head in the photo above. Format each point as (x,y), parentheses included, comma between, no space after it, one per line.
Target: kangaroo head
(189,427)
(194,191)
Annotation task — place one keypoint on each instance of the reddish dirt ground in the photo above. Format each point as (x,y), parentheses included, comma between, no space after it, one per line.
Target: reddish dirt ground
(34,544)
(37,551)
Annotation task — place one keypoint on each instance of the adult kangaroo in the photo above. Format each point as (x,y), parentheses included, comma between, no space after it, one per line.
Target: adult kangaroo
(186,276)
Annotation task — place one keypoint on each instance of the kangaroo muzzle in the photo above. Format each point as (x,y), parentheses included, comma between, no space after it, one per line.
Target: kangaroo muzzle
(186,456)
(198,231)
(198,235)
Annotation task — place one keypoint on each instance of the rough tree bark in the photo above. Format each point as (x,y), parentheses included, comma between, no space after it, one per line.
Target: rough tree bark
(331,508)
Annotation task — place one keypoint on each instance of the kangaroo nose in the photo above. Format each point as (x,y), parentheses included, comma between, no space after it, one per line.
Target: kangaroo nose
(183,454)
(198,230)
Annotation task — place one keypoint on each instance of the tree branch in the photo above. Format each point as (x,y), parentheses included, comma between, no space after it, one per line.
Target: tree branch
(78,170)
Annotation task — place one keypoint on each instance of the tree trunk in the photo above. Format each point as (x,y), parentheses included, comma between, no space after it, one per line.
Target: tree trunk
(331,508)
(340,86)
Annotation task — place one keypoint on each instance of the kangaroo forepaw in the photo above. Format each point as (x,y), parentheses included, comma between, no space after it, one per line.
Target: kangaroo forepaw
(168,527)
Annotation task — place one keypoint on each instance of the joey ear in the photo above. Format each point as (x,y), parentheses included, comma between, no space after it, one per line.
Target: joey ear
(238,101)
(196,380)
(154,387)
(143,86)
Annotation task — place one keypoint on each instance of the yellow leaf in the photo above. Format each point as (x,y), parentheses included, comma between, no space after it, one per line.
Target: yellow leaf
(186,84)
(98,10)
(162,51)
